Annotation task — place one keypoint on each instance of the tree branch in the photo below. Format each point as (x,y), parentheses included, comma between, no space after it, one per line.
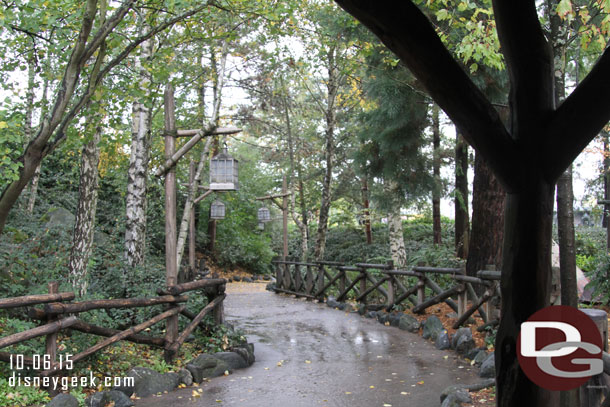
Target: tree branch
(578,119)
(404,29)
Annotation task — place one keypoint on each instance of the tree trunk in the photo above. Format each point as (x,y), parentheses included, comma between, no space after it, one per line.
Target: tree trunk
(396,237)
(84,225)
(526,274)
(29,108)
(33,192)
(367,213)
(436,163)
(487,219)
(137,179)
(462,222)
(606,176)
(565,233)
(329,153)
(295,167)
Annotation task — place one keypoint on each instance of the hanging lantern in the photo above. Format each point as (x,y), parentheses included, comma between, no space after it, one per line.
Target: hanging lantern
(264,215)
(223,172)
(217,210)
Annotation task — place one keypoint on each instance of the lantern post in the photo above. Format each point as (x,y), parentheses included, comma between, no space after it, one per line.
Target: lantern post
(171,261)
(168,169)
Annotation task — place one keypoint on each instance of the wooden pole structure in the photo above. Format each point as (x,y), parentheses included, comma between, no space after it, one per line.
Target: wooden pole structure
(171,266)
(51,339)
(192,234)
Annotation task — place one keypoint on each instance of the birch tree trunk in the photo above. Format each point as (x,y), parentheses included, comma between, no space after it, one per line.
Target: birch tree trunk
(85,215)
(396,236)
(329,153)
(135,231)
(188,205)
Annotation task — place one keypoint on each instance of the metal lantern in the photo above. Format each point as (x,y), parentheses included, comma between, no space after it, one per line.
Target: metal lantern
(217,210)
(264,215)
(223,172)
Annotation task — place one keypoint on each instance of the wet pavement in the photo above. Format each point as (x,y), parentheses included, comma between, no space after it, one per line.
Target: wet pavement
(310,355)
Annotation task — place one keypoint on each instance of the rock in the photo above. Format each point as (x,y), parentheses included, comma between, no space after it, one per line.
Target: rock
(442,340)
(408,323)
(464,345)
(383,317)
(247,280)
(233,359)
(473,353)
(63,400)
(432,327)
(458,334)
(371,314)
(270,287)
(246,351)
(148,382)
(488,367)
(59,217)
(394,319)
(452,315)
(236,278)
(185,377)
(333,303)
(113,397)
(462,341)
(362,309)
(266,278)
(456,398)
(206,366)
(480,357)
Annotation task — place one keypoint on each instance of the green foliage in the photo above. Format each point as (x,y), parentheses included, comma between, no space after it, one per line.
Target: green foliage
(347,244)
(600,278)
(21,396)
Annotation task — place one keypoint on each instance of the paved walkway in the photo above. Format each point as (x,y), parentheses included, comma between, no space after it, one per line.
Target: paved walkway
(310,355)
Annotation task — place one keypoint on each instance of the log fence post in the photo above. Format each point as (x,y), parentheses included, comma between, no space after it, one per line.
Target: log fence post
(309,280)
(391,287)
(320,282)
(298,278)
(219,313)
(363,278)
(51,339)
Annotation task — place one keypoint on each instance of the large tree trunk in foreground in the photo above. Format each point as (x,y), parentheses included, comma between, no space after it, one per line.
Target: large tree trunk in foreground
(84,225)
(487,219)
(526,282)
(462,222)
(137,174)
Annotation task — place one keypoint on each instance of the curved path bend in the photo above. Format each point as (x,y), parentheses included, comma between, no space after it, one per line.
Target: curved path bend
(310,355)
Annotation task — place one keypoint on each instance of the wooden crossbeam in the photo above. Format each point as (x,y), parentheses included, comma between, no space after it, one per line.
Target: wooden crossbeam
(436,299)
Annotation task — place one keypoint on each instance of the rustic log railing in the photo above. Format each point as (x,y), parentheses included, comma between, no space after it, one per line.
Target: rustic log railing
(58,314)
(382,286)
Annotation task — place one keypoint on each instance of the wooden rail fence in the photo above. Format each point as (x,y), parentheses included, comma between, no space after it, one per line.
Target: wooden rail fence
(366,283)
(58,314)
